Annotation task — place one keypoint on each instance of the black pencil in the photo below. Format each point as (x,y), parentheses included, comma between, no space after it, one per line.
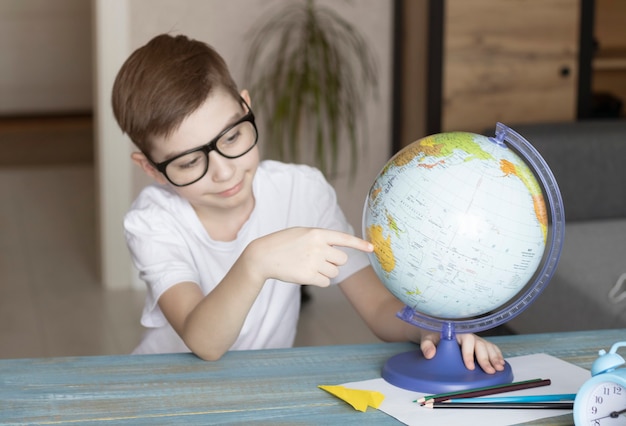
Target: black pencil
(505,405)
(485,391)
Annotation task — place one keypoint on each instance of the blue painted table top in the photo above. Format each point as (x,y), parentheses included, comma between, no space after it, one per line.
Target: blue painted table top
(265,386)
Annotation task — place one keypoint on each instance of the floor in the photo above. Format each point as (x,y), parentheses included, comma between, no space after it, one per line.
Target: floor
(51,301)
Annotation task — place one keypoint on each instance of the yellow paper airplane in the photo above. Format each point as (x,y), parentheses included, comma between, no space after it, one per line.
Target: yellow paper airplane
(359,399)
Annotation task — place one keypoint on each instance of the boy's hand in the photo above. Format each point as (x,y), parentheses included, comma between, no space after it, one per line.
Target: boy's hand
(303,255)
(473,347)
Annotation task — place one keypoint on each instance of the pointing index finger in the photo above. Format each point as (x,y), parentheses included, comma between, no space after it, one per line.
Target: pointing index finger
(346,240)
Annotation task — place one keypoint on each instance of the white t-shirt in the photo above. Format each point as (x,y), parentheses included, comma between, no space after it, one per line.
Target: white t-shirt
(169,245)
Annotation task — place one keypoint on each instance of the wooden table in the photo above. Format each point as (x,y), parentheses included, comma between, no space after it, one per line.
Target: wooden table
(266,386)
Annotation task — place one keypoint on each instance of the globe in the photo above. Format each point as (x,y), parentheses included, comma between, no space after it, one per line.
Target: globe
(467,231)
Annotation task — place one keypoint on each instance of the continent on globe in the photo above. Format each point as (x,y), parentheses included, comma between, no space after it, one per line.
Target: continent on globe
(382,248)
(459,225)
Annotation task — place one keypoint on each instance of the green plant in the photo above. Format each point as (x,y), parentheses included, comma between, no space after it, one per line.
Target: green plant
(310,72)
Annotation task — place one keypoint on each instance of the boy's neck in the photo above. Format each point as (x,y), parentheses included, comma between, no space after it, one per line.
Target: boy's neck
(224,225)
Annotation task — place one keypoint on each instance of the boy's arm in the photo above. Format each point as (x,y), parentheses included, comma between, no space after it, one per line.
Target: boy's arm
(378,308)
(209,325)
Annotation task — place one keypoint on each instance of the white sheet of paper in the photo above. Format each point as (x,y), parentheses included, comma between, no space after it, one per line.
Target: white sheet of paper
(565,377)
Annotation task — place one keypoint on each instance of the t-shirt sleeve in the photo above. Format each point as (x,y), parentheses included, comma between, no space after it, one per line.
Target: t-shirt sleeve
(160,254)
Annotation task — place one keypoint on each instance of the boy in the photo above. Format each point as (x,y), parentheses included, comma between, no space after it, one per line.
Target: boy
(223,240)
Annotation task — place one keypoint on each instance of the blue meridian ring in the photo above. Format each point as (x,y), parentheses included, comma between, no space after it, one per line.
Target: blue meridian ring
(549,185)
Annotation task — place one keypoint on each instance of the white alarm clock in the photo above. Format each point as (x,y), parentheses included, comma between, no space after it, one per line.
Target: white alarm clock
(601,400)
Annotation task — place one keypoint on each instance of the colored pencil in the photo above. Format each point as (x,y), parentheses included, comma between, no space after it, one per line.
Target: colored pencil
(485,391)
(522,398)
(504,405)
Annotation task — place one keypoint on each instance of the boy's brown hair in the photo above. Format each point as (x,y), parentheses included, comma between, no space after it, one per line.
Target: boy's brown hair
(163,82)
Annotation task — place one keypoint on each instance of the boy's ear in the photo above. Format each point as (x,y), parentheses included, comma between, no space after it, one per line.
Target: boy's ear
(140,159)
(246,97)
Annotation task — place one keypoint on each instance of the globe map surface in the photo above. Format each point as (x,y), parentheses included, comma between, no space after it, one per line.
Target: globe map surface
(459,225)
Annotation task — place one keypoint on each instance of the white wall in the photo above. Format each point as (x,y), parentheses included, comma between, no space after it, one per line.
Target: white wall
(114,180)
(45,56)
(224,25)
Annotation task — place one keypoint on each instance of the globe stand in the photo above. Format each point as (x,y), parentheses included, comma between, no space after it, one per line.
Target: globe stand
(445,372)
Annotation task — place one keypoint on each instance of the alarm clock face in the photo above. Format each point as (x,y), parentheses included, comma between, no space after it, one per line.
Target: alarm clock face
(604,403)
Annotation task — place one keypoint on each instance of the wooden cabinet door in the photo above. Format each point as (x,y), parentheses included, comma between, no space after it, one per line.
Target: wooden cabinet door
(513,61)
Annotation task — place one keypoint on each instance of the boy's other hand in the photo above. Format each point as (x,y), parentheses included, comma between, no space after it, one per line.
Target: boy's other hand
(303,255)
(487,354)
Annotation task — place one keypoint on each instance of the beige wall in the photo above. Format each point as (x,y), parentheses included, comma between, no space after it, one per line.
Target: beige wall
(45,56)
(223,24)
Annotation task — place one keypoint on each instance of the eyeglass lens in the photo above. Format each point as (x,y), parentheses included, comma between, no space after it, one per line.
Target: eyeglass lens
(232,144)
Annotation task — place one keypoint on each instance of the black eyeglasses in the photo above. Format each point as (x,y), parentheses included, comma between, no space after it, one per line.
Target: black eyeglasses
(191,166)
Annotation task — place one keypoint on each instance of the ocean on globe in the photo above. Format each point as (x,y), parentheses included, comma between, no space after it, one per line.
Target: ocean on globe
(459,225)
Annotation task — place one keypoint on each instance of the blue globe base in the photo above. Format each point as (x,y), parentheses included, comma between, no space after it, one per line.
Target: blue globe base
(445,372)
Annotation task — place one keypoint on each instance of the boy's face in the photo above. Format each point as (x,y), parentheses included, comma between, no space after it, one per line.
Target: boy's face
(227,183)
